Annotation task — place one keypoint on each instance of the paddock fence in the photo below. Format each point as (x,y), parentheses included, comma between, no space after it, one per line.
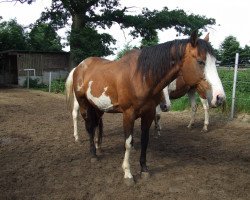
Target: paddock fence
(236,82)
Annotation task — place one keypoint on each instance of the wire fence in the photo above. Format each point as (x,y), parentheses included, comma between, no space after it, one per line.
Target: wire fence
(236,82)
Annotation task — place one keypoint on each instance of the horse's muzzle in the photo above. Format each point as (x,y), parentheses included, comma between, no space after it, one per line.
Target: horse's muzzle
(164,107)
(219,100)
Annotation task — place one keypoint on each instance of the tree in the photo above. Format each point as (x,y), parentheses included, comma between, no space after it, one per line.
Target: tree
(152,41)
(245,55)
(228,48)
(87,15)
(12,36)
(144,43)
(127,47)
(43,37)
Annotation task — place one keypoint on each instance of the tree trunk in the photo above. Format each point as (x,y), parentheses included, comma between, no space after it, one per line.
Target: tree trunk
(78,23)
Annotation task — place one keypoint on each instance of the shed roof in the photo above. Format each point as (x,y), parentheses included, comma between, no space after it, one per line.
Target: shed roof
(13,52)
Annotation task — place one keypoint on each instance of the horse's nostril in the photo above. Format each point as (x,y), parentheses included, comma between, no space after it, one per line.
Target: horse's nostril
(219,100)
(164,107)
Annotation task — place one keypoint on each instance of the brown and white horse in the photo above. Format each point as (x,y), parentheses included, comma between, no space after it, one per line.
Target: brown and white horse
(178,89)
(132,86)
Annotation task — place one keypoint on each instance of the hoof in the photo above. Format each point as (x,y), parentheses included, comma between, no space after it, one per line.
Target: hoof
(145,175)
(129,182)
(159,133)
(204,130)
(94,159)
(190,126)
(99,151)
(156,136)
(78,140)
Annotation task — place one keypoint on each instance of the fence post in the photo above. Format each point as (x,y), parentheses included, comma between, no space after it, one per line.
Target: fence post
(234,84)
(28,79)
(49,81)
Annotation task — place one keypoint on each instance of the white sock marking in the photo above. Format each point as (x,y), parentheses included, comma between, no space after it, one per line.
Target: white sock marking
(126,165)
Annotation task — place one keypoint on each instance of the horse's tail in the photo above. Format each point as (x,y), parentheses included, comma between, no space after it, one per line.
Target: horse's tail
(69,90)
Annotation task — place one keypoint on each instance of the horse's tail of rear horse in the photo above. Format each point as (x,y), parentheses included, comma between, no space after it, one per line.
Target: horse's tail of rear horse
(69,90)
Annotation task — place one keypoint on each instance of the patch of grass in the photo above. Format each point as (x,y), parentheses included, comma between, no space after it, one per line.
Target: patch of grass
(242,103)
(180,104)
(242,95)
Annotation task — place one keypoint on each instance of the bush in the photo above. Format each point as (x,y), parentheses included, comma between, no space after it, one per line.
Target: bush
(58,86)
(34,83)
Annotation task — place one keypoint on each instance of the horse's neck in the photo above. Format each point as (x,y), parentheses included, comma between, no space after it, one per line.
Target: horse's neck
(166,80)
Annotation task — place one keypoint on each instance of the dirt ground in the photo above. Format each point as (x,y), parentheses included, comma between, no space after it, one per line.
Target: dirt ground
(40,160)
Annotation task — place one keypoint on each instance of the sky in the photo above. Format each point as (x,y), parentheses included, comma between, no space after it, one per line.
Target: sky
(232,18)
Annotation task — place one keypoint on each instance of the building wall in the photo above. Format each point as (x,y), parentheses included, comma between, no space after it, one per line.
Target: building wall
(43,63)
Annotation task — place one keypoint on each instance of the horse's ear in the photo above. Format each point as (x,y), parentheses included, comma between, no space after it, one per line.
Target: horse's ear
(207,37)
(194,38)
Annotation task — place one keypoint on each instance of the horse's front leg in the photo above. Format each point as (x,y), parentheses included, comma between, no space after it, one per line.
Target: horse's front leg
(191,95)
(146,121)
(128,125)
(157,121)
(206,120)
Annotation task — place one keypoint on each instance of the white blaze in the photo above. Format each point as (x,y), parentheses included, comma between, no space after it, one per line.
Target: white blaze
(212,77)
(103,102)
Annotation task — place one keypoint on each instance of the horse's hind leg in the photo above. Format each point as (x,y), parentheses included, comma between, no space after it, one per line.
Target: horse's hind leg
(98,138)
(92,118)
(75,117)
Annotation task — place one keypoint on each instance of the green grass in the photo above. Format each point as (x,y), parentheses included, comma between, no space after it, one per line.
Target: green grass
(242,103)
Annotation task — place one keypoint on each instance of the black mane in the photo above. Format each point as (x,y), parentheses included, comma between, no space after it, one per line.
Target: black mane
(158,59)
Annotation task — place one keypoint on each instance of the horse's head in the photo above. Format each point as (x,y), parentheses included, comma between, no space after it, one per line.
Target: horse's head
(165,103)
(199,70)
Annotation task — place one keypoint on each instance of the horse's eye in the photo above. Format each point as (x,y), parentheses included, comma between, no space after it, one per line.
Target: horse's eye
(201,62)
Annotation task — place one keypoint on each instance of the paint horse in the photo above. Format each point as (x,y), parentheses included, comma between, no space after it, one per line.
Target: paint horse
(164,106)
(178,88)
(132,86)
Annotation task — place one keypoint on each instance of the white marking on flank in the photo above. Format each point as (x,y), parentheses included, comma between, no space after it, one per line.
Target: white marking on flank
(103,102)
